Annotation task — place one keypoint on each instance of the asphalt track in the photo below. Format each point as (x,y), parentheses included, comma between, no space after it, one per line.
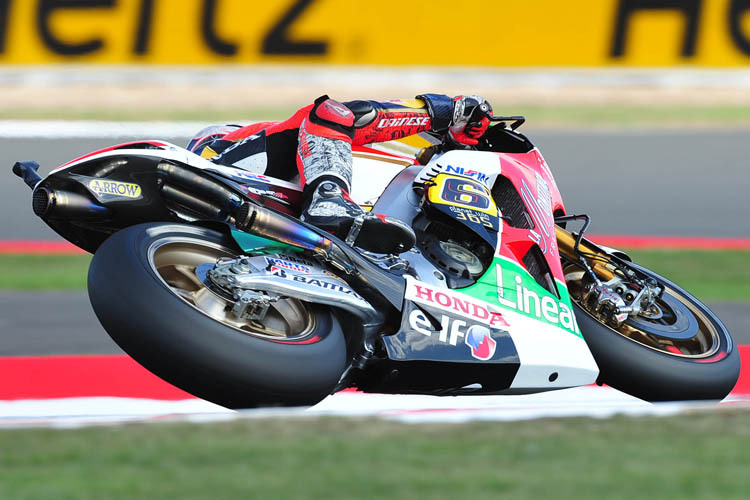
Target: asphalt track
(46,323)
(638,182)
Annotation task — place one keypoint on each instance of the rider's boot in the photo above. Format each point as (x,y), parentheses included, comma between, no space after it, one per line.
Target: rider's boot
(331,209)
(324,158)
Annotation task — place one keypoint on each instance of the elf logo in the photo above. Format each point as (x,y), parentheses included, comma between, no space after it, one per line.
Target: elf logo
(480,341)
(477,337)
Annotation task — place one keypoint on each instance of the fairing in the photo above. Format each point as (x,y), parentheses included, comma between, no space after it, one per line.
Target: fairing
(533,330)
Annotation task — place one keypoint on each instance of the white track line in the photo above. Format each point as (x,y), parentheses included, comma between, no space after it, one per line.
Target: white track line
(95,129)
(372,76)
(579,402)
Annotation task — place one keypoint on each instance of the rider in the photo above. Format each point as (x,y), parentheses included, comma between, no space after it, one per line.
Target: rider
(318,139)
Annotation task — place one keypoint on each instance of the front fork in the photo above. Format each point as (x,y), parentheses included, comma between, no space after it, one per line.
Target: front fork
(571,247)
(606,292)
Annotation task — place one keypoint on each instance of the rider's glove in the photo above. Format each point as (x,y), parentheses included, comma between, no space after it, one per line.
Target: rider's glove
(470,119)
(464,118)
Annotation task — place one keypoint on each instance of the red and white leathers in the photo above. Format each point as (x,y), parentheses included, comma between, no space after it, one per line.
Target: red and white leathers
(316,143)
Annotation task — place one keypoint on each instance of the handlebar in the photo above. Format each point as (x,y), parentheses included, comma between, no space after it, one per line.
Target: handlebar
(517,120)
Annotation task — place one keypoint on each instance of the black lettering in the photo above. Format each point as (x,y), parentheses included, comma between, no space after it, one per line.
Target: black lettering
(143,29)
(208,20)
(4,13)
(55,44)
(740,39)
(690,8)
(277,41)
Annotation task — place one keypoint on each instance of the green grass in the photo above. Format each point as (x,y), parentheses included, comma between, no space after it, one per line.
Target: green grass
(44,272)
(690,456)
(709,275)
(547,115)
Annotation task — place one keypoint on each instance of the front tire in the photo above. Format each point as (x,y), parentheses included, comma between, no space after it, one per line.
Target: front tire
(137,286)
(702,361)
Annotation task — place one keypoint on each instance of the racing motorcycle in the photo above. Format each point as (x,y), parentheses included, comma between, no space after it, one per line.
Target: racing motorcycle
(205,275)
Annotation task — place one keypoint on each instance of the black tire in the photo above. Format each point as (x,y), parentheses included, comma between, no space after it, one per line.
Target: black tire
(657,375)
(183,345)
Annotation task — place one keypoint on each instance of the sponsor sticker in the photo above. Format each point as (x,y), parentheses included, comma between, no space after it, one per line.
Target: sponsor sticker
(477,337)
(114,188)
(480,341)
(473,174)
(287,264)
(312,281)
(454,303)
(401,122)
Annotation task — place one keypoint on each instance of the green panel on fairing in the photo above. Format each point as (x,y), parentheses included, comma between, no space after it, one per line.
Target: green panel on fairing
(519,292)
(252,244)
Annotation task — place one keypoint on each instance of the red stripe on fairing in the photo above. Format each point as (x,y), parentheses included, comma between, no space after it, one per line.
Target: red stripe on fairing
(39,247)
(54,377)
(677,242)
(81,376)
(110,148)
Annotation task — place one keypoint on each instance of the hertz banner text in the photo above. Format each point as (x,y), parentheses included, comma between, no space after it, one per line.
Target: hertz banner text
(391,32)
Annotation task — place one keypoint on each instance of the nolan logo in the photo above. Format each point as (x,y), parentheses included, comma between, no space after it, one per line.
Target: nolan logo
(115,188)
(473,174)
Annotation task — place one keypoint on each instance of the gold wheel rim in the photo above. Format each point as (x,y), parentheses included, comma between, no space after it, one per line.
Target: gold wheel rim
(175,261)
(704,344)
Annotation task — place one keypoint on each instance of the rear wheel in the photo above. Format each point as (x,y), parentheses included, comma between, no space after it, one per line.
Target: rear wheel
(146,289)
(676,350)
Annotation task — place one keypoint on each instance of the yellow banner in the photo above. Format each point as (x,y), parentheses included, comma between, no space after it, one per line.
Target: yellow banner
(392,32)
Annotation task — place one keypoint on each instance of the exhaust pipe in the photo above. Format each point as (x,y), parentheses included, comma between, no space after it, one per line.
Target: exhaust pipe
(192,202)
(247,216)
(202,185)
(56,204)
(264,222)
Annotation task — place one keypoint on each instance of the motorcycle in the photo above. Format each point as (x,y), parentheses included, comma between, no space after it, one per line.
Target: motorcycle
(204,274)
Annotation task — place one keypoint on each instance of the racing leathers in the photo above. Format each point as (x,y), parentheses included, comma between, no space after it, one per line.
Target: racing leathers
(316,144)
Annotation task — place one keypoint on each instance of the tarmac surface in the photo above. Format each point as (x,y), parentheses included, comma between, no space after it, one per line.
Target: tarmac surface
(638,182)
(62,322)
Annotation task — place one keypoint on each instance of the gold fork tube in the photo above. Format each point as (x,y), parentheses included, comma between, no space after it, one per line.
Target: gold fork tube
(566,243)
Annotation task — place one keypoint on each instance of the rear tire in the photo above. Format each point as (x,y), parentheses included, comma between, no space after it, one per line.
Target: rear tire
(185,346)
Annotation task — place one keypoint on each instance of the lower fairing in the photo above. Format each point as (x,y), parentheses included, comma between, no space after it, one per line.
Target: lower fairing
(450,343)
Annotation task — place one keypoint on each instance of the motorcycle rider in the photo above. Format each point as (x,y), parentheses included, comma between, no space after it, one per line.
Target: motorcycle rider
(316,143)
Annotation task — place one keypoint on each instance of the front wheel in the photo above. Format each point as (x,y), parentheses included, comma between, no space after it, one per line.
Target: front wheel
(147,295)
(679,351)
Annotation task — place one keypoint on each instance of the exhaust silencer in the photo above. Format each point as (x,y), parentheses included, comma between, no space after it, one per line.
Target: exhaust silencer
(56,204)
